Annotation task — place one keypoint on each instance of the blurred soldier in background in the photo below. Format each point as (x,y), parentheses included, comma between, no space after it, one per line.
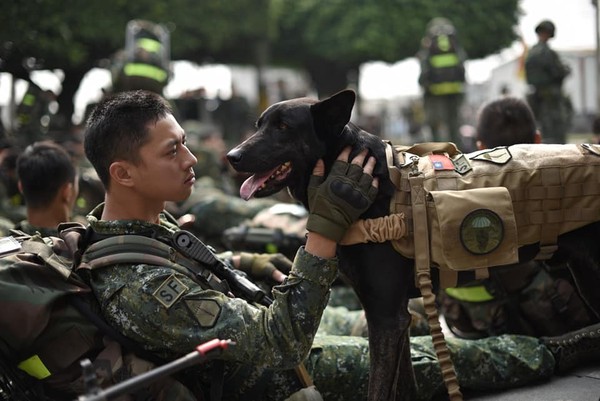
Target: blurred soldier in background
(49,183)
(442,79)
(145,62)
(235,116)
(12,205)
(545,75)
(33,116)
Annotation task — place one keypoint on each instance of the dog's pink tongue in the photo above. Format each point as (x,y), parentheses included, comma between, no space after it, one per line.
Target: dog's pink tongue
(251,185)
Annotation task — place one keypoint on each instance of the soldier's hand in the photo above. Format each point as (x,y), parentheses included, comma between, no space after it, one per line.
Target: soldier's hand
(273,266)
(336,201)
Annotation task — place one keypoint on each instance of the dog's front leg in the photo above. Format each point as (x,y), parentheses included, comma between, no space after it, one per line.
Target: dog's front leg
(391,375)
(382,279)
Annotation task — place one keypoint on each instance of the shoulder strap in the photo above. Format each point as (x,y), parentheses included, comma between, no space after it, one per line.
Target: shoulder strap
(140,249)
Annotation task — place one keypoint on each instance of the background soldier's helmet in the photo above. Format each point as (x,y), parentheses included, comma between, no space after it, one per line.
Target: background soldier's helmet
(546,26)
(440,26)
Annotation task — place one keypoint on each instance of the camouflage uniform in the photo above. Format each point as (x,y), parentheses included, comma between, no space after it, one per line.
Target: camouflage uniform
(266,338)
(339,365)
(545,73)
(339,358)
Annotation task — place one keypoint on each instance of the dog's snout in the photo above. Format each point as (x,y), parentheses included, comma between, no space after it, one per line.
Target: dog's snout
(234,156)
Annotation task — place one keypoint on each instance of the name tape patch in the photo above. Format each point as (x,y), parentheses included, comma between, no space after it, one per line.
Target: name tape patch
(170,291)
(499,155)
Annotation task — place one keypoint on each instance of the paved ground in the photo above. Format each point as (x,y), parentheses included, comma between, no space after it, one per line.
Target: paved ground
(581,385)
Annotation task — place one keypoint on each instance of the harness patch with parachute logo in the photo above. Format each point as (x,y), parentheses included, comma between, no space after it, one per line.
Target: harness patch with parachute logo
(170,291)
(481,231)
(206,311)
(499,155)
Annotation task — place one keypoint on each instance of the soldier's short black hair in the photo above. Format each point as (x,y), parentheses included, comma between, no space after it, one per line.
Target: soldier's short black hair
(506,121)
(43,168)
(119,125)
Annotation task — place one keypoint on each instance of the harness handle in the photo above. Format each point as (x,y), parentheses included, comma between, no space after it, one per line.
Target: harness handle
(425,148)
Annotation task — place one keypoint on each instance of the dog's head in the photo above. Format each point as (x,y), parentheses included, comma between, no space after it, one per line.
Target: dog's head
(291,136)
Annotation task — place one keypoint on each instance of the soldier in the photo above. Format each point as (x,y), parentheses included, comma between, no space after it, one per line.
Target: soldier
(442,79)
(139,152)
(504,122)
(49,183)
(545,74)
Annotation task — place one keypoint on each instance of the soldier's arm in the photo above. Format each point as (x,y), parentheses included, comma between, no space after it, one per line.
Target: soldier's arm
(169,314)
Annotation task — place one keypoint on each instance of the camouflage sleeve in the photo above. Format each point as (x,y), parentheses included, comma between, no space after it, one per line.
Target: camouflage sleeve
(555,67)
(170,314)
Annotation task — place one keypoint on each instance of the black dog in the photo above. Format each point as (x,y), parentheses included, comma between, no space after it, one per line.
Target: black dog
(291,136)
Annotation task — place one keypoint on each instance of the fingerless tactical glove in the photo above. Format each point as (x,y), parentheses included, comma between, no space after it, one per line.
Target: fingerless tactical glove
(336,201)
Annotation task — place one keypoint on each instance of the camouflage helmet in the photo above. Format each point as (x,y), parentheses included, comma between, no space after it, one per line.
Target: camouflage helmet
(440,26)
(546,26)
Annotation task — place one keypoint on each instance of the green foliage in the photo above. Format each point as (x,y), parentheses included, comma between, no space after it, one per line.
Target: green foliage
(359,30)
(330,37)
(79,33)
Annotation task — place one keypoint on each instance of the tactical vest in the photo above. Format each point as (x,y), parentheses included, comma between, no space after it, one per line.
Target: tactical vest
(446,73)
(49,320)
(473,211)
(41,331)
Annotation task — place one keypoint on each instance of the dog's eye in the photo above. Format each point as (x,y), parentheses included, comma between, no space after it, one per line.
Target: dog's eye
(283,126)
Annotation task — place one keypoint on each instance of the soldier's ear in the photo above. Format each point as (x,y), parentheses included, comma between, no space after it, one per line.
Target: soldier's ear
(120,173)
(537,138)
(68,192)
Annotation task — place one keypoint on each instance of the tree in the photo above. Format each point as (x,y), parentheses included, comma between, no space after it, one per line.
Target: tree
(76,36)
(330,39)
(333,38)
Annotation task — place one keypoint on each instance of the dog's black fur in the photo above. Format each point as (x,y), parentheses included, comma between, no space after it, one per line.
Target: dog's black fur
(301,131)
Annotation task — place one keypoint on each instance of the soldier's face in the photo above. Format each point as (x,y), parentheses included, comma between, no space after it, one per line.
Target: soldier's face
(165,171)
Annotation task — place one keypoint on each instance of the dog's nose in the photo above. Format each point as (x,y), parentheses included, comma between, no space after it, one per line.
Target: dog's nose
(234,156)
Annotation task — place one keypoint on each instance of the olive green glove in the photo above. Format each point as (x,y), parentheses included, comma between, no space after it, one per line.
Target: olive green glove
(337,201)
(262,265)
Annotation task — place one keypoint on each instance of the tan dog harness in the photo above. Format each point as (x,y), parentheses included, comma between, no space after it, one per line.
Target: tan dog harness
(473,211)
(482,206)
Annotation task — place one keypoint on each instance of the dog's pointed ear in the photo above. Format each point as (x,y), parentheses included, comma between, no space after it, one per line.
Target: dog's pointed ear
(331,115)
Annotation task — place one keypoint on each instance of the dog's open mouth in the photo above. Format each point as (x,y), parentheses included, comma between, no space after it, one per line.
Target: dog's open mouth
(269,181)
